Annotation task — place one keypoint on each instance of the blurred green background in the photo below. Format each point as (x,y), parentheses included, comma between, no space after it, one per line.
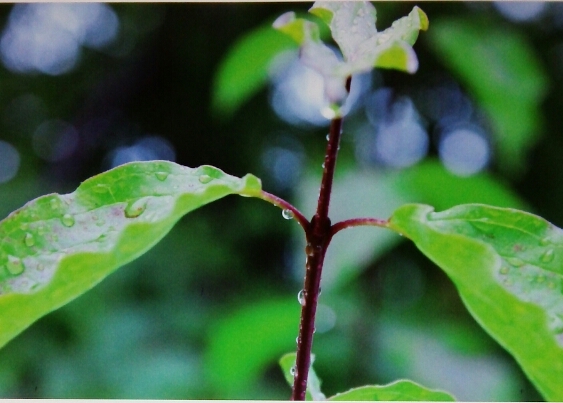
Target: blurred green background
(209,311)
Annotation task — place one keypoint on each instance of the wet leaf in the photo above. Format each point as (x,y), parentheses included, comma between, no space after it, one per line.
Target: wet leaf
(57,247)
(353,28)
(508,268)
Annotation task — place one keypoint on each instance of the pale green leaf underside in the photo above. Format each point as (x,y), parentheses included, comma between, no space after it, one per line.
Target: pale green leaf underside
(508,268)
(313,381)
(353,28)
(57,247)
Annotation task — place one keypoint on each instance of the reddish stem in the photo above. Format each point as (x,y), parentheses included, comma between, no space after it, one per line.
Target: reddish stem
(279,202)
(319,234)
(356,222)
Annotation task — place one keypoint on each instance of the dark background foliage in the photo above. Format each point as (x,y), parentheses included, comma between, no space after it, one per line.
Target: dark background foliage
(208,312)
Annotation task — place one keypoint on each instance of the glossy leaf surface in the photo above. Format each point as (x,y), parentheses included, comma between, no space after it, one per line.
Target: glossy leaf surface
(57,247)
(402,390)
(353,28)
(508,268)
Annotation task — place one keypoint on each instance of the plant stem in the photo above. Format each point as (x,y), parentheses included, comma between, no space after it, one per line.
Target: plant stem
(279,202)
(318,236)
(356,222)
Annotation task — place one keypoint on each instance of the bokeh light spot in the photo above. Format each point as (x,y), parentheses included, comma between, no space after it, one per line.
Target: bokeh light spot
(9,161)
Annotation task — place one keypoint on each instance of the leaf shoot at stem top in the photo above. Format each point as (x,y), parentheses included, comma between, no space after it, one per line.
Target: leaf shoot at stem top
(353,28)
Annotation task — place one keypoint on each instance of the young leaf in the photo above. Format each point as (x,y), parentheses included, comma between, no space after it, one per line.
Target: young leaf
(287,362)
(402,390)
(508,268)
(57,247)
(363,48)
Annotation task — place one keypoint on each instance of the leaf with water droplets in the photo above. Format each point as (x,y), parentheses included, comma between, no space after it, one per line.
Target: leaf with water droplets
(57,247)
(287,362)
(508,268)
(353,28)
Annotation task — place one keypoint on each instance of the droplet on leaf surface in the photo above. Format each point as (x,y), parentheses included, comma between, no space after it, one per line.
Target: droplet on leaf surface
(135,209)
(161,176)
(15,265)
(205,179)
(547,256)
(67,220)
(29,240)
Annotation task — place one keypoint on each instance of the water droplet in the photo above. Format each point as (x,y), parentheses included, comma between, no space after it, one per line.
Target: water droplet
(514,261)
(309,250)
(504,270)
(40,267)
(297,340)
(293,371)
(14,265)
(541,278)
(24,226)
(135,209)
(205,179)
(328,112)
(100,188)
(547,256)
(161,176)
(67,220)
(320,291)
(301,297)
(29,240)
(100,222)
(287,214)
(101,238)
(323,165)
(545,241)
(328,137)
(54,204)
(41,230)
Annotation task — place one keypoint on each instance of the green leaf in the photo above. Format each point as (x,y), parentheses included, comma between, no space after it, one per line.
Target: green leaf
(502,70)
(353,28)
(57,247)
(244,70)
(402,390)
(508,268)
(313,381)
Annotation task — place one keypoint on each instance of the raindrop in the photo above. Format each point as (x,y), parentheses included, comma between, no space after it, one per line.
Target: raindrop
(67,220)
(504,270)
(287,214)
(161,176)
(309,250)
(29,240)
(205,179)
(100,222)
(301,297)
(545,241)
(41,230)
(547,256)
(14,265)
(135,209)
(293,371)
(328,137)
(323,165)
(24,226)
(514,261)
(40,267)
(100,189)
(541,278)
(54,204)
